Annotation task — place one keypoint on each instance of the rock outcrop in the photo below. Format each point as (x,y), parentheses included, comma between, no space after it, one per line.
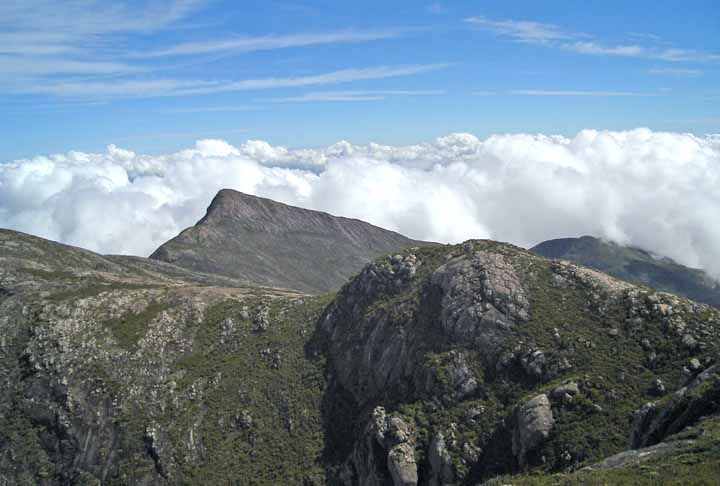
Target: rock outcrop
(483,299)
(533,423)
(385,452)
(655,421)
(441,469)
(472,323)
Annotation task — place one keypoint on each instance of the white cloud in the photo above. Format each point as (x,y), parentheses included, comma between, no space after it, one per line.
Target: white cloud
(649,52)
(686,55)
(659,191)
(271,42)
(118,89)
(676,72)
(597,49)
(45,44)
(521,30)
(29,66)
(544,92)
(176,87)
(554,36)
(42,39)
(79,19)
(364,95)
(211,109)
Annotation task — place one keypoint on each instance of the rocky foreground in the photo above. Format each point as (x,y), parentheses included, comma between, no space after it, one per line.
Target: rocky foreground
(466,364)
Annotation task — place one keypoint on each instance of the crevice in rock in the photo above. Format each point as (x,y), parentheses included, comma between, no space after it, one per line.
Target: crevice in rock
(151,451)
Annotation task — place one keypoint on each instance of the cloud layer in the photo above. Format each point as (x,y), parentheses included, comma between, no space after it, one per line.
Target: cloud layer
(659,191)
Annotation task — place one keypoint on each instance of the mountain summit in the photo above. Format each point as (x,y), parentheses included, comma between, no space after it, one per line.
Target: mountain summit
(277,245)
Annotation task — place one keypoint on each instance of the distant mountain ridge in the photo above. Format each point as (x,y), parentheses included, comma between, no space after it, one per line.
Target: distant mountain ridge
(274,244)
(633,265)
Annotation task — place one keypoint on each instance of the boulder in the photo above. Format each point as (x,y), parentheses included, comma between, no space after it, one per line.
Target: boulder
(402,466)
(483,299)
(533,423)
(441,469)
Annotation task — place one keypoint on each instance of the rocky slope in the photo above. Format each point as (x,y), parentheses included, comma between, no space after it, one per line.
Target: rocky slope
(273,244)
(119,370)
(453,365)
(464,364)
(634,265)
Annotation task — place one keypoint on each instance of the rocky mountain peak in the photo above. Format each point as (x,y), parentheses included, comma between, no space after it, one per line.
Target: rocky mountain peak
(232,207)
(278,245)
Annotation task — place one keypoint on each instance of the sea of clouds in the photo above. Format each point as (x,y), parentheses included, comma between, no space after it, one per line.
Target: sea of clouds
(659,191)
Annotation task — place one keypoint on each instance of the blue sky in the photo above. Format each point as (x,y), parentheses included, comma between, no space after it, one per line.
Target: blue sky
(156,76)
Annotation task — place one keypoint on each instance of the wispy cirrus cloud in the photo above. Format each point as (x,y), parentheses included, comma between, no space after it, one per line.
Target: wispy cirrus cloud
(686,55)
(177,87)
(25,66)
(594,48)
(46,38)
(676,72)
(362,95)
(116,89)
(270,42)
(77,19)
(83,49)
(212,109)
(555,36)
(543,92)
(648,52)
(522,30)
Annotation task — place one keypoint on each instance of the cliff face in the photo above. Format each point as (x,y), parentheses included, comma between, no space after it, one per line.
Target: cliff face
(434,365)
(273,244)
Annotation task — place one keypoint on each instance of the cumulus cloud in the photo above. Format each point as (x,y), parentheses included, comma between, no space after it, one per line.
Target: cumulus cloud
(659,191)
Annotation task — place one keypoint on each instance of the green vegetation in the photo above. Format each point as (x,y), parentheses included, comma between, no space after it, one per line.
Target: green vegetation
(49,274)
(92,288)
(130,327)
(697,463)
(256,394)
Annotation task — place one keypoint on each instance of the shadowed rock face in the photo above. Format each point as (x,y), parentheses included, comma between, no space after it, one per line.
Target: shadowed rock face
(273,244)
(634,265)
